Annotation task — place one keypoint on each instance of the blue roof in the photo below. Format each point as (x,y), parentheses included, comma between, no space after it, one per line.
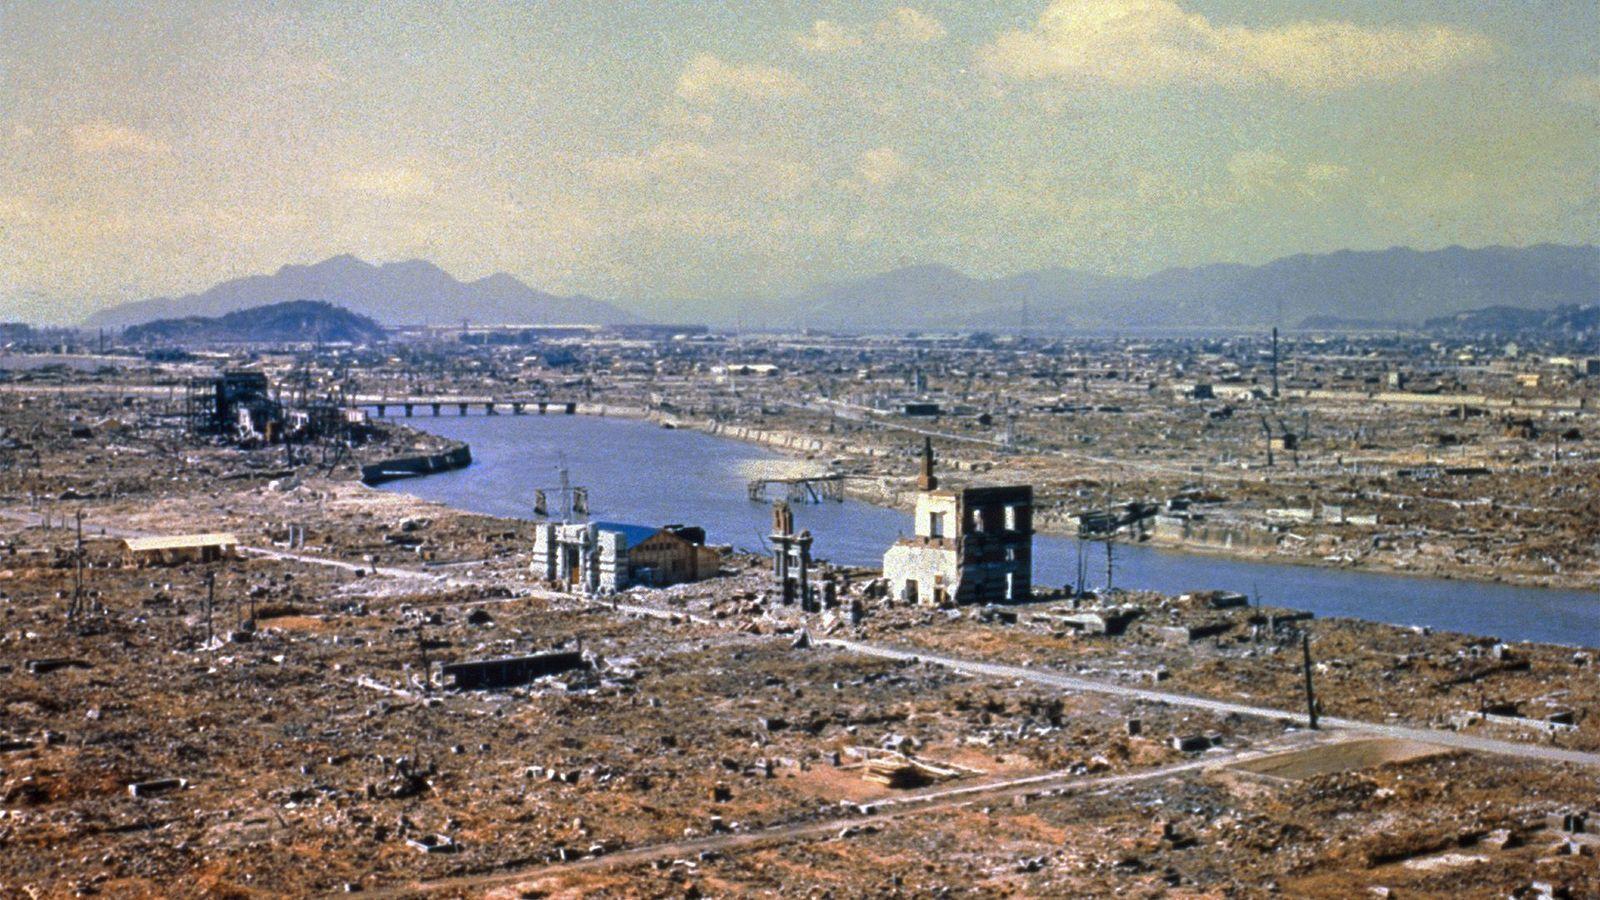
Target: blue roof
(633,534)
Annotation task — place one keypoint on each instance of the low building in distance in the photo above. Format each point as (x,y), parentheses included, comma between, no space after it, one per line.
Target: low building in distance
(179,549)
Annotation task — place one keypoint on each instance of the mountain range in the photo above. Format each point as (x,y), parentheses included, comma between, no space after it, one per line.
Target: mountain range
(1397,286)
(415,292)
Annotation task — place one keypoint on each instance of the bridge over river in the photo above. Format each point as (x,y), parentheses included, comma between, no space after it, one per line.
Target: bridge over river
(463,404)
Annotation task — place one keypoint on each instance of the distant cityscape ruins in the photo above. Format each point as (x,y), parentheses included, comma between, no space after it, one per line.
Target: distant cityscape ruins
(232,664)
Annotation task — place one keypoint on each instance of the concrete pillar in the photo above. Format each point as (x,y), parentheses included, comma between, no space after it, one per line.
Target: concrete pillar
(436,410)
(488,410)
(572,408)
(780,559)
(461,408)
(382,410)
(804,588)
(409,409)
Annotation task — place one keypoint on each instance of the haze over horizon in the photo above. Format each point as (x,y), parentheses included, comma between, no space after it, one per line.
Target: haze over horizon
(725,151)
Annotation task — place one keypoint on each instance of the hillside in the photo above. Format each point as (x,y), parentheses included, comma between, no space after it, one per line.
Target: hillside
(1565,321)
(299,321)
(1396,286)
(405,293)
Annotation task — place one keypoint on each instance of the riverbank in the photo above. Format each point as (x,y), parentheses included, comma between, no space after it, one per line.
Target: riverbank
(457,457)
(640,473)
(879,491)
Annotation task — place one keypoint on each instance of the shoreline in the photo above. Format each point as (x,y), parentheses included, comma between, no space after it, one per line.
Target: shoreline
(788,442)
(400,503)
(797,446)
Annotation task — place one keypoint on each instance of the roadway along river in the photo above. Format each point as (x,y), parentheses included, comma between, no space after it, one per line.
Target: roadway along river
(640,473)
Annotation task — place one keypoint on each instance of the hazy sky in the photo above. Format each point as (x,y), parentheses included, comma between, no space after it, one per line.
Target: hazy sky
(695,149)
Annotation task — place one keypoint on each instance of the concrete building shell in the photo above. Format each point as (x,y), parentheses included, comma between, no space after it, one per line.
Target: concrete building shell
(972,545)
(604,557)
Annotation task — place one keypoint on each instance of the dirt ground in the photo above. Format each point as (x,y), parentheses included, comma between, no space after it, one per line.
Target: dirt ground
(290,737)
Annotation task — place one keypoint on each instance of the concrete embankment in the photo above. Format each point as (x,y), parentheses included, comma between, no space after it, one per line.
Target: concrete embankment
(457,457)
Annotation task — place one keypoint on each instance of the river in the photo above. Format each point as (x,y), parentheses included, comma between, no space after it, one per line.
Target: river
(640,473)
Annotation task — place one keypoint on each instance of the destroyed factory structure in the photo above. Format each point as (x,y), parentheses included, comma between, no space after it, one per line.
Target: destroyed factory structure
(242,406)
(972,545)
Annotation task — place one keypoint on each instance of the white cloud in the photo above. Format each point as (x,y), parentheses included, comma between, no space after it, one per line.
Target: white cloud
(110,138)
(1136,42)
(390,181)
(1581,89)
(902,26)
(708,79)
(704,172)
(1253,171)
(878,168)
(665,159)
(827,36)
(1256,174)
(1323,175)
(909,26)
(15,209)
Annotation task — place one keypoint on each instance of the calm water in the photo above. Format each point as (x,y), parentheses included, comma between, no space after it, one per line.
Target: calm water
(640,473)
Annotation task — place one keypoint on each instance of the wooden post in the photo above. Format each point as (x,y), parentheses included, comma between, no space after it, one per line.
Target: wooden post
(211,592)
(1311,697)
(77,580)
(1110,562)
(427,668)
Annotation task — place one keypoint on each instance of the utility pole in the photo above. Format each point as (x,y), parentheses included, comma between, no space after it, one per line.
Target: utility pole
(1274,362)
(1082,572)
(1311,696)
(77,580)
(1110,564)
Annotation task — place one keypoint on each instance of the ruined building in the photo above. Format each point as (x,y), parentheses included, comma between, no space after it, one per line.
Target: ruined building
(602,557)
(242,406)
(972,545)
(791,557)
(237,403)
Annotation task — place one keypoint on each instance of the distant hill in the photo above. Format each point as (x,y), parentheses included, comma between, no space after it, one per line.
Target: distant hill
(295,322)
(1564,321)
(405,293)
(1377,288)
(1340,323)
(1363,290)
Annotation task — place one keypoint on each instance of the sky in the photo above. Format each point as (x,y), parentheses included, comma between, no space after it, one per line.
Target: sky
(710,151)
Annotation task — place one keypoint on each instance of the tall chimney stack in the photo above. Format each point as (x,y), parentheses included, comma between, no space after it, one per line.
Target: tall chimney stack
(927,481)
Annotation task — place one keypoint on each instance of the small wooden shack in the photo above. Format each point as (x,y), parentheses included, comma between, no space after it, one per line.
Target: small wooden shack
(179,549)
